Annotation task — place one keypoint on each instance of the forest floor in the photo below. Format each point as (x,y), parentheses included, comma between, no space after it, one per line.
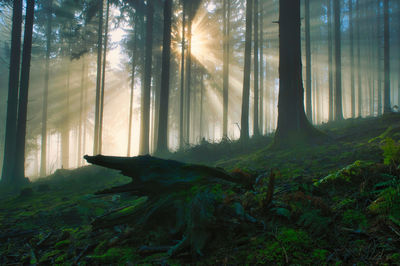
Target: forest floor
(333,204)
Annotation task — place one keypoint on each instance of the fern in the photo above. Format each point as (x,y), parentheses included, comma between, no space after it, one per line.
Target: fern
(313,219)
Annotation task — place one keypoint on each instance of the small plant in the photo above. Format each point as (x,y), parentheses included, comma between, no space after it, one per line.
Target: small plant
(391,152)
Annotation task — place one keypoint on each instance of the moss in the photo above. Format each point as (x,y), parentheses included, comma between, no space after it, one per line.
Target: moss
(294,243)
(319,255)
(355,219)
(116,255)
(63,244)
(49,254)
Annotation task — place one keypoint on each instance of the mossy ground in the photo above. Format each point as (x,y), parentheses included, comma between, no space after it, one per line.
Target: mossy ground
(334,204)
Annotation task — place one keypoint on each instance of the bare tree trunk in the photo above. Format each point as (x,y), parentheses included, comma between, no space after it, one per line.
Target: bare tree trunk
(162,143)
(132,92)
(43,157)
(146,88)
(19,171)
(379,57)
(98,82)
(226,47)
(386,61)
(360,97)
(256,72)
(352,80)
(81,98)
(293,125)
(201,105)
(12,102)
(103,78)
(330,63)
(244,129)
(309,109)
(338,62)
(181,105)
(261,68)
(65,124)
(188,78)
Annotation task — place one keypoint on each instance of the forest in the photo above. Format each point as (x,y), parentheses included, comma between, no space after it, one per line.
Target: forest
(204,132)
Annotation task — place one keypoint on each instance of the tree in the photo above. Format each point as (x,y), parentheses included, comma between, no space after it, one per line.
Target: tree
(19,170)
(293,125)
(96,140)
(103,79)
(309,110)
(162,143)
(261,68)
(352,79)
(181,99)
(244,130)
(146,87)
(43,157)
(256,71)
(338,62)
(359,59)
(386,60)
(330,62)
(10,136)
(226,48)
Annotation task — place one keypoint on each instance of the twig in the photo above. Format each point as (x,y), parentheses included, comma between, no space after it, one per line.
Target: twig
(44,239)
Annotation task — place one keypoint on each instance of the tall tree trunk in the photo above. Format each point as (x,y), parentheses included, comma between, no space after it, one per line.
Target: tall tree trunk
(244,129)
(379,57)
(81,98)
(352,80)
(146,88)
(103,79)
(360,97)
(12,102)
(65,124)
(261,68)
(293,125)
(330,63)
(201,106)
(162,143)
(256,72)
(226,48)
(132,92)
(43,157)
(188,76)
(309,109)
(98,81)
(338,62)
(386,60)
(19,171)
(181,103)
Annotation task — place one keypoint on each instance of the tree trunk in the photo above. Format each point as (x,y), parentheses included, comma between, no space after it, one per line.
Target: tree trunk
(98,82)
(338,62)
(19,170)
(12,102)
(309,109)
(352,80)
(65,124)
(244,129)
(188,77)
(181,111)
(43,158)
(386,56)
(81,98)
(379,57)
(132,91)
(146,88)
(293,125)
(162,143)
(226,48)
(103,79)
(261,68)
(201,105)
(256,72)
(330,62)
(360,97)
